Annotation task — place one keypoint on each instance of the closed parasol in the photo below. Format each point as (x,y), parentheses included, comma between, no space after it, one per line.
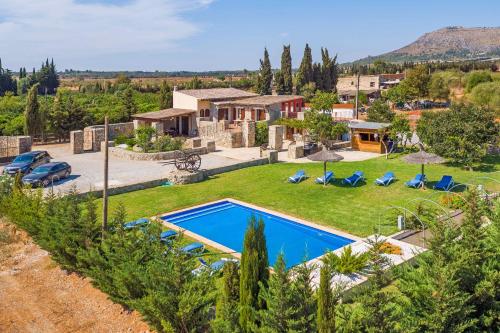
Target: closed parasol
(325,156)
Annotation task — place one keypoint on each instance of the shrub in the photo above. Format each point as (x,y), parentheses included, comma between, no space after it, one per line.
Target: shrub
(453,201)
(121,139)
(167,143)
(143,137)
(261,133)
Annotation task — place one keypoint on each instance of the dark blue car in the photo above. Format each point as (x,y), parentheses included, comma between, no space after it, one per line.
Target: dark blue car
(26,162)
(48,173)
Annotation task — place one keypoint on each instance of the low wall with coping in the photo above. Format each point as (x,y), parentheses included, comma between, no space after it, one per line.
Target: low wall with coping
(157,182)
(138,156)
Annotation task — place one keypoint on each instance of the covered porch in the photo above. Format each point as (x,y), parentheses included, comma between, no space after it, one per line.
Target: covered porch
(173,121)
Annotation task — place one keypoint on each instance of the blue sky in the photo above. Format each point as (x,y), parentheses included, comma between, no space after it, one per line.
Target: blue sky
(217,34)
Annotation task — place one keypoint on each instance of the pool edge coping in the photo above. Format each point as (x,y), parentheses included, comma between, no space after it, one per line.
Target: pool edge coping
(237,254)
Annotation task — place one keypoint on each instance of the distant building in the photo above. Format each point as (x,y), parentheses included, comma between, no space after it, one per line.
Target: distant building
(371,85)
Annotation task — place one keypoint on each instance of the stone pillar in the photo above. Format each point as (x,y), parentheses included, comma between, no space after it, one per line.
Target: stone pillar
(275,137)
(24,143)
(210,146)
(272,155)
(76,142)
(248,129)
(295,151)
(158,126)
(97,138)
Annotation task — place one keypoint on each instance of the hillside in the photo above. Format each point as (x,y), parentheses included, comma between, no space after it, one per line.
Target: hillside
(450,43)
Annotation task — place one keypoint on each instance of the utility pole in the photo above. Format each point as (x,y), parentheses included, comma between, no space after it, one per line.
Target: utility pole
(105,188)
(357,95)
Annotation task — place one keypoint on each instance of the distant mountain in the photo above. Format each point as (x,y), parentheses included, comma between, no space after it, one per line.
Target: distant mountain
(450,43)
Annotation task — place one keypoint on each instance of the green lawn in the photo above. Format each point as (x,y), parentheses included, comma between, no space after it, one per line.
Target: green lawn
(354,210)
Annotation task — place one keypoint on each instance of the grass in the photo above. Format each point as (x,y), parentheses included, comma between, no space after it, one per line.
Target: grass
(360,210)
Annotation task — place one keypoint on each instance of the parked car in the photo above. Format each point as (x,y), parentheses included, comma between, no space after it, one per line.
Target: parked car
(47,173)
(26,162)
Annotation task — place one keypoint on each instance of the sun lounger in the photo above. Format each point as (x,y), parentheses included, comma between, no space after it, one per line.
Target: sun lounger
(166,236)
(323,179)
(386,179)
(142,222)
(213,267)
(445,183)
(354,179)
(193,248)
(298,177)
(416,182)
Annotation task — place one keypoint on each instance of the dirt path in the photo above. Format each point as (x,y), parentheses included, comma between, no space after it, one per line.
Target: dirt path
(37,296)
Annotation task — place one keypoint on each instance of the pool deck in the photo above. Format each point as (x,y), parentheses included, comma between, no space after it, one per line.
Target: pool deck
(360,245)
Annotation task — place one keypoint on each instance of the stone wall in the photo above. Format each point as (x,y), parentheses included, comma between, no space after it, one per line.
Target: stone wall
(137,156)
(94,135)
(11,146)
(219,132)
(196,177)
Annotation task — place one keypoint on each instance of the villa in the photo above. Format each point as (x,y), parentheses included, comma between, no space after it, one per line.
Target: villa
(219,113)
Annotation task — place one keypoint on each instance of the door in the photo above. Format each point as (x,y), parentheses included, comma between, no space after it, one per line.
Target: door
(185,126)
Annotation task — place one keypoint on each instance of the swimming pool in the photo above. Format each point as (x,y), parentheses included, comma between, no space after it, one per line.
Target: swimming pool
(225,222)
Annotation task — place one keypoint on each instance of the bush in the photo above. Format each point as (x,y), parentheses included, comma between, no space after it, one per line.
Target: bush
(121,139)
(167,143)
(261,133)
(143,137)
(131,266)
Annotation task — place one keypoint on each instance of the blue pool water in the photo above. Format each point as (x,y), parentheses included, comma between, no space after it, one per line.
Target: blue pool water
(225,223)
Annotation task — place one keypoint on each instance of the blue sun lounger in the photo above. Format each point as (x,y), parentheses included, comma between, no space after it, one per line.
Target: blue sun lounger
(193,248)
(323,179)
(445,183)
(298,177)
(166,236)
(142,222)
(386,179)
(213,267)
(416,182)
(354,179)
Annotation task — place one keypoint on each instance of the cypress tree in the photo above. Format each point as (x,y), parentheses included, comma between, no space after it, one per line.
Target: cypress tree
(326,306)
(32,113)
(286,70)
(254,273)
(305,73)
(326,70)
(317,76)
(304,301)
(226,315)
(265,78)
(280,309)
(166,98)
(279,82)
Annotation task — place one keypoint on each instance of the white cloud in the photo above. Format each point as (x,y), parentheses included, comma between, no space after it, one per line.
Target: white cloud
(31,30)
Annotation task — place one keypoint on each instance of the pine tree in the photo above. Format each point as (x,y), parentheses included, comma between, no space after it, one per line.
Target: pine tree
(280,309)
(265,78)
(32,113)
(305,303)
(226,316)
(326,306)
(166,98)
(279,82)
(286,70)
(254,273)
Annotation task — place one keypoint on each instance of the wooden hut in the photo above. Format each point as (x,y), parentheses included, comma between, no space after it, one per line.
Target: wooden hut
(369,136)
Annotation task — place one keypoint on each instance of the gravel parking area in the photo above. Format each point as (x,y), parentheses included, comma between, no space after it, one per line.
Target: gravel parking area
(87,168)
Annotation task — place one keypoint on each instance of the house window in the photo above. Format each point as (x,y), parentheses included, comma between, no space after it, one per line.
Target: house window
(352,83)
(372,84)
(262,115)
(205,113)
